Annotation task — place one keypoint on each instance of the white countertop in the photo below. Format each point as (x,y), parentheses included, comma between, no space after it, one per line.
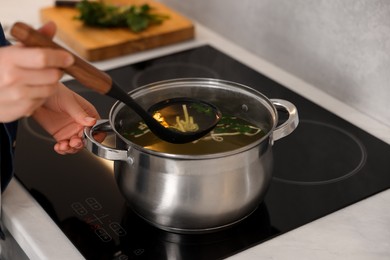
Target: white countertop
(360,231)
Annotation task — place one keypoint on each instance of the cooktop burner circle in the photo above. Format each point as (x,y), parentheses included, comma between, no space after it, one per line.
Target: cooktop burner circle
(30,125)
(317,153)
(173,70)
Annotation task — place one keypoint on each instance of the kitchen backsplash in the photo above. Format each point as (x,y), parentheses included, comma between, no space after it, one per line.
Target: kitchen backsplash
(342,47)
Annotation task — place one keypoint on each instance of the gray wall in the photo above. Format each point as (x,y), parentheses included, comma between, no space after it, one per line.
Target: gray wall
(340,46)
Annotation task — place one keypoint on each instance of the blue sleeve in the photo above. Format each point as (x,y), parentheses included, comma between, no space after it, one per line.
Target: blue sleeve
(7,137)
(3,40)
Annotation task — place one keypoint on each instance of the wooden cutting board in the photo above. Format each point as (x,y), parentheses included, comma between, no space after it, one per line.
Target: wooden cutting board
(96,44)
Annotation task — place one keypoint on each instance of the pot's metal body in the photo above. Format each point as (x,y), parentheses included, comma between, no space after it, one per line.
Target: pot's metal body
(202,193)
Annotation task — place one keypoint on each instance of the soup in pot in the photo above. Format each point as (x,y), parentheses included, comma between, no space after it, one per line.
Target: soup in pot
(230,133)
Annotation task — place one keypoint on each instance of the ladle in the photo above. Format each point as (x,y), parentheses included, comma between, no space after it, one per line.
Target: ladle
(97,80)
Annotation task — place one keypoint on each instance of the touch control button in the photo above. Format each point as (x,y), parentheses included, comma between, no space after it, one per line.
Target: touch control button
(117,228)
(93,203)
(103,235)
(79,208)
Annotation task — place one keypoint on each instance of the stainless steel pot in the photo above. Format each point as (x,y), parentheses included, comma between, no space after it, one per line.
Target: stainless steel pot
(195,193)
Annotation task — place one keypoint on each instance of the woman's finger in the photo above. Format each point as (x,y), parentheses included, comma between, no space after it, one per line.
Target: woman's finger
(24,94)
(31,77)
(39,58)
(48,29)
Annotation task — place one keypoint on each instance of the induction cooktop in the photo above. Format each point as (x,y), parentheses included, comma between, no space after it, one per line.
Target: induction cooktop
(324,165)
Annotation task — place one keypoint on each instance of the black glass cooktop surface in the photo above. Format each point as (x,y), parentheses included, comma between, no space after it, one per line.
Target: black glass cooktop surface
(323,166)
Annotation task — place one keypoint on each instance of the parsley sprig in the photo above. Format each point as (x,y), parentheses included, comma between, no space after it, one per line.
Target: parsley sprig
(136,18)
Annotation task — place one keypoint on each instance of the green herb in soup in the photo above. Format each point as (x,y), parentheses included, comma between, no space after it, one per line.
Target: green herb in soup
(230,133)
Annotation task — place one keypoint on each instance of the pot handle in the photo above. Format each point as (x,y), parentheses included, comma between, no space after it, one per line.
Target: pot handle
(292,121)
(102,150)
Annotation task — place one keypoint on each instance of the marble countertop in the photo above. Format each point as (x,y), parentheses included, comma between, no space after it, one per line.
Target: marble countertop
(360,231)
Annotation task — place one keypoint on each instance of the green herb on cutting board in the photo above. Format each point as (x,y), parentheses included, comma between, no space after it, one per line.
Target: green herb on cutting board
(136,17)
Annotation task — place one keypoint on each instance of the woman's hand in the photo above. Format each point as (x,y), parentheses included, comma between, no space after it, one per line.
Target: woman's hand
(64,116)
(28,76)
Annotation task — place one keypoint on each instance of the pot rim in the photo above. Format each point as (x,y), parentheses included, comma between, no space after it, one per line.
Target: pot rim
(209,81)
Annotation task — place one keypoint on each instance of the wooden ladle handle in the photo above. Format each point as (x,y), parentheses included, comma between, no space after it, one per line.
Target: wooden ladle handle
(84,72)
